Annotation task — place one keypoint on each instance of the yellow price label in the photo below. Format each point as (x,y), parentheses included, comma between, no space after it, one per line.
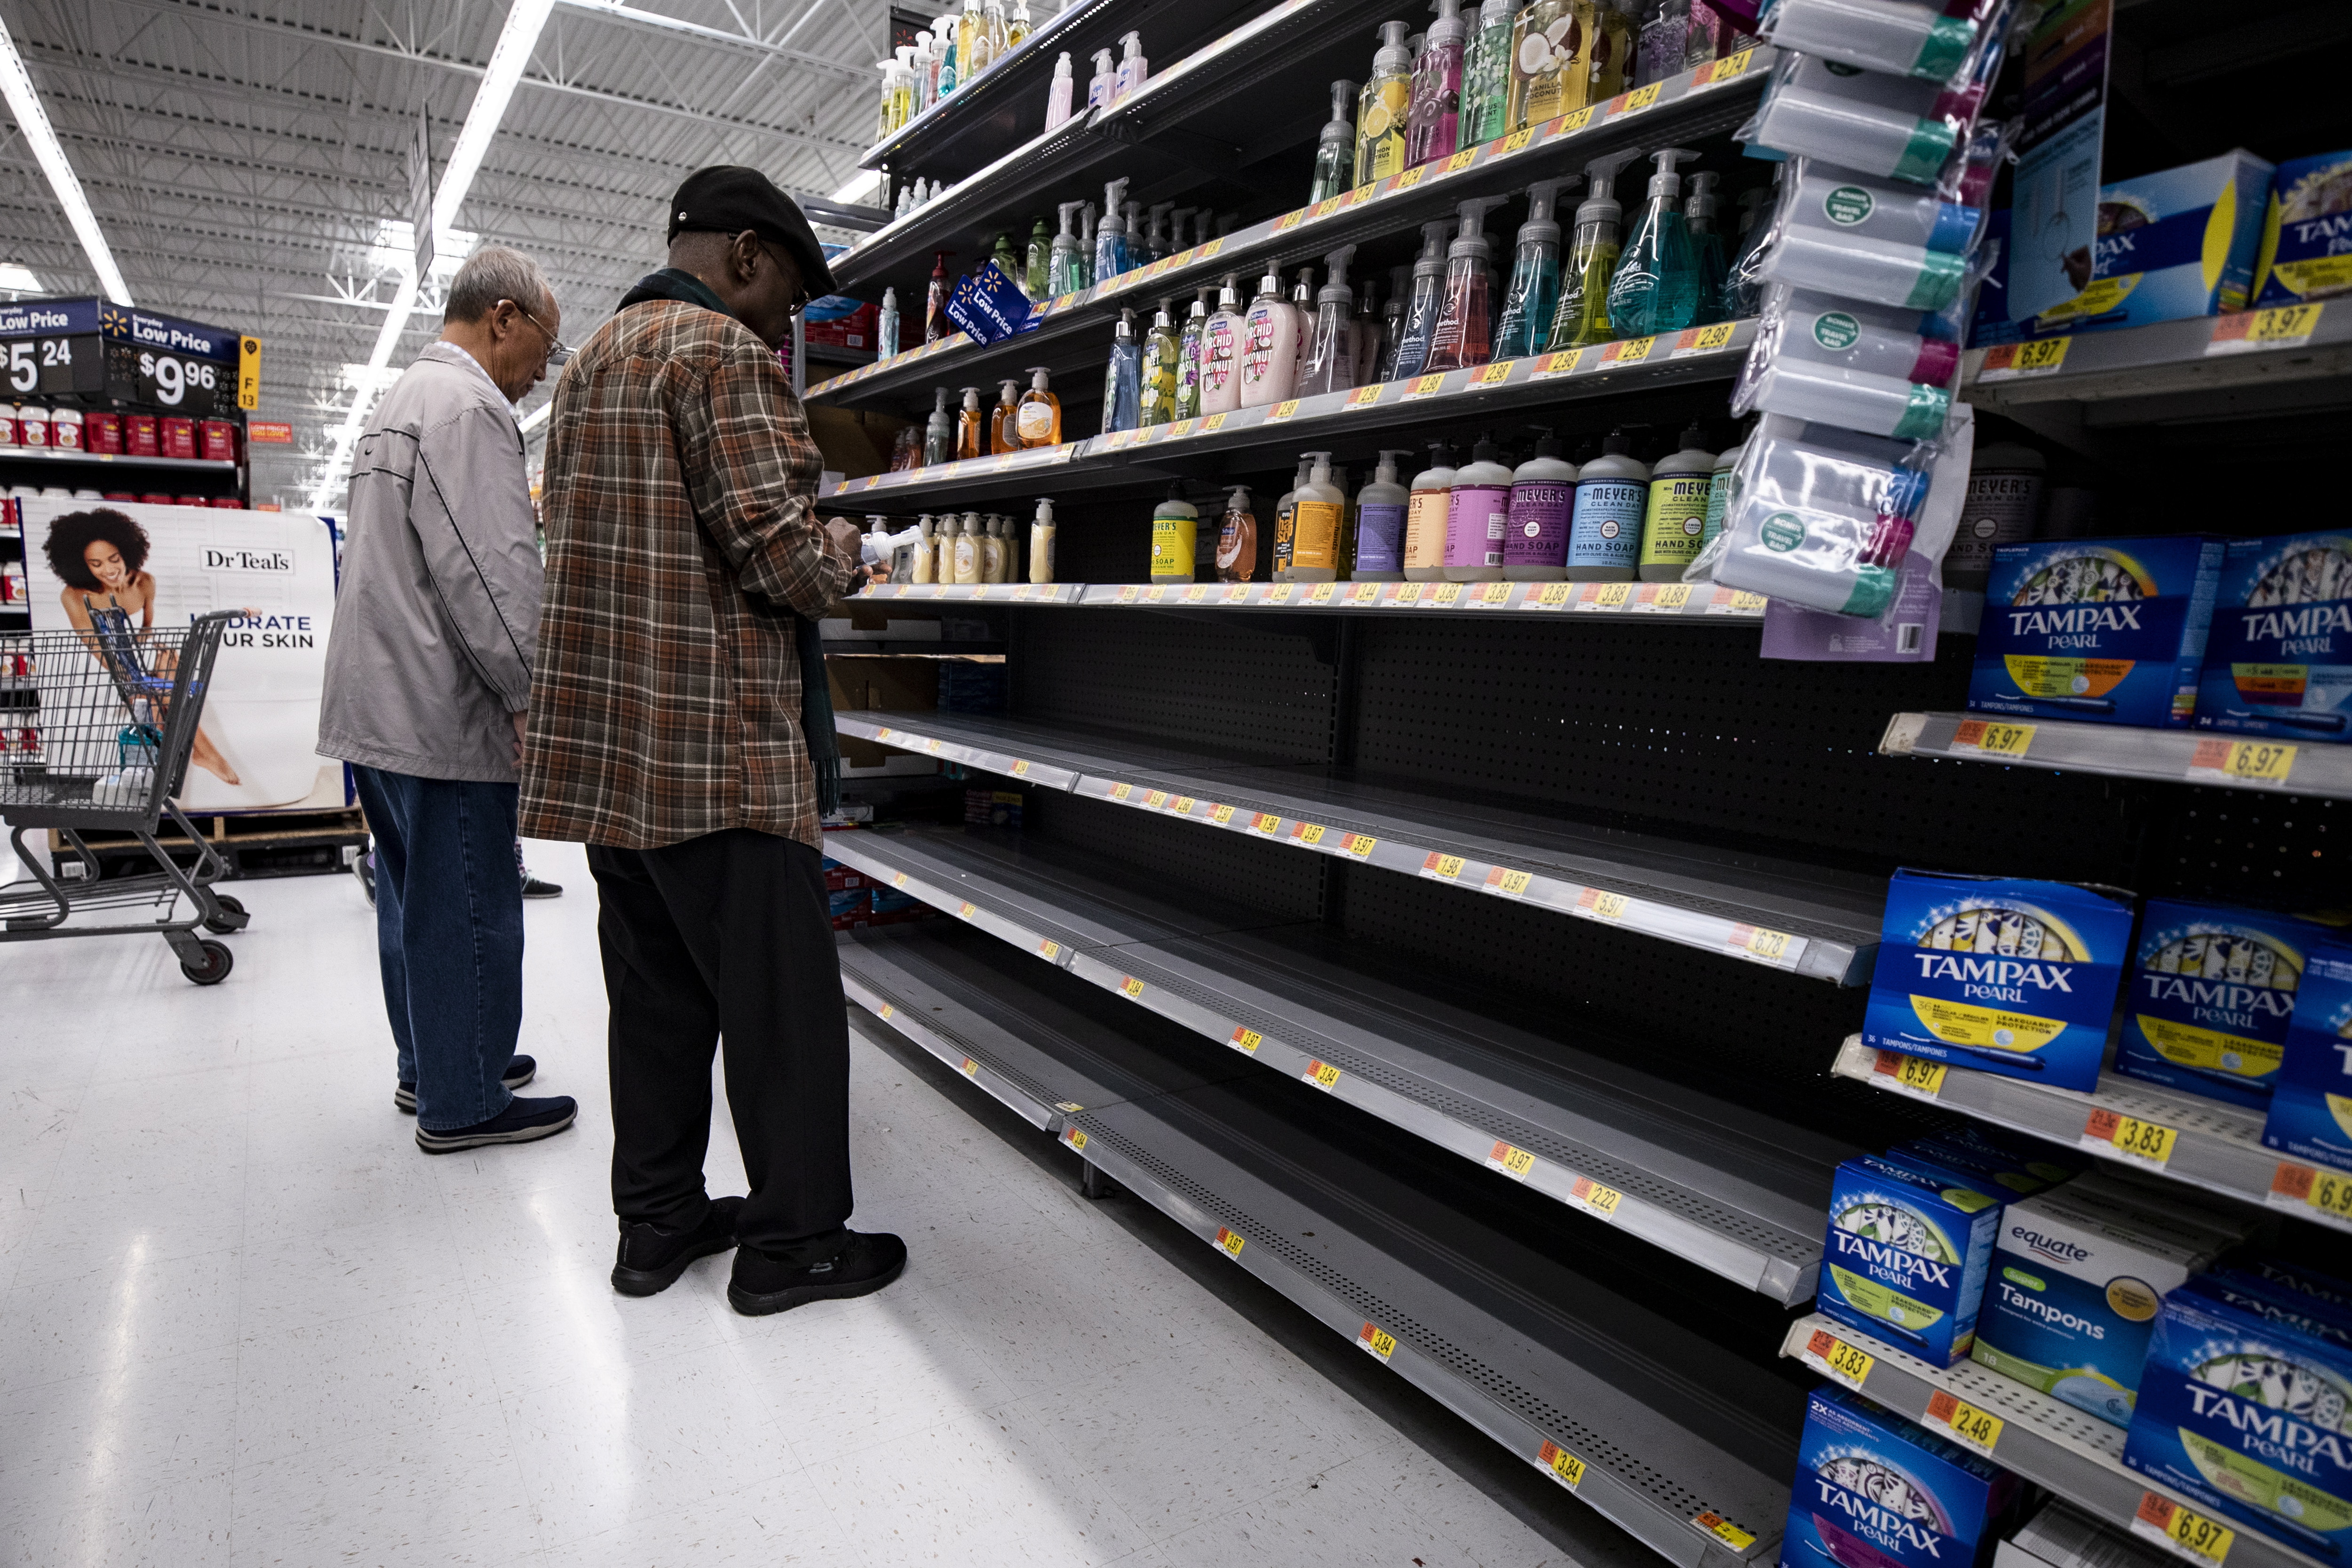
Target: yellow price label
(1156,799)
(1266,822)
(1605,596)
(1120,791)
(1424,385)
(1978,1429)
(1213,424)
(1446,866)
(1248,1040)
(1496,592)
(1515,140)
(1021,768)
(1360,844)
(2043,356)
(970,1068)
(1628,351)
(1511,1159)
(1210,249)
(967,908)
(1306,832)
(1074,1138)
(1594,1198)
(1378,1340)
(1723,1530)
(1404,592)
(2182,1530)
(1602,906)
(1221,814)
(1660,596)
(1760,942)
(1914,1076)
(1850,1364)
(1127,592)
(1639,99)
(1322,1075)
(1321,593)
(1460,161)
(1562,363)
(1555,595)
(1181,805)
(1363,593)
(1409,179)
(1494,374)
(1706,340)
(2145,1142)
(1049,948)
(1231,1241)
(2285,327)
(1565,1467)
(899,881)
(2255,762)
(2327,1193)
(1131,988)
(1993,739)
(1327,206)
(1511,884)
(1196,593)
(1289,221)
(888,1012)
(1365,396)
(1281,411)
(1182,428)
(1732,66)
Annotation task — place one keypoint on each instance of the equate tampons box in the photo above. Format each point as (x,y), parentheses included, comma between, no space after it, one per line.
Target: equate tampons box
(2109,630)
(2278,662)
(2073,1298)
(2012,977)
(2306,250)
(1874,1490)
(1905,1254)
(2247,1412)
(2210,994)
(2311,1104)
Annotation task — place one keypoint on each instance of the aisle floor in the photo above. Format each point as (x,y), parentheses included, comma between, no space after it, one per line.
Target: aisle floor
(246,1321)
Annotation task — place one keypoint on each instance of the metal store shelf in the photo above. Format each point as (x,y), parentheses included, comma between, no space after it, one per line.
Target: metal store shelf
(2165,756)
(1803,919)
(1681,603)
(2213,1146)
(1677,110)
(2168,358)
(1197,448)
(1721,1185)
(2051,1444)
(1676,1440)
(121,459)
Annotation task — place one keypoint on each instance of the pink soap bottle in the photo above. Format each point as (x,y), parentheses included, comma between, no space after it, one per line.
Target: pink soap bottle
(1433,121)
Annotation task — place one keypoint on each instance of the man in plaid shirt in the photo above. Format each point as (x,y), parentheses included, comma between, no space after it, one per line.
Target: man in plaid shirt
(679,726)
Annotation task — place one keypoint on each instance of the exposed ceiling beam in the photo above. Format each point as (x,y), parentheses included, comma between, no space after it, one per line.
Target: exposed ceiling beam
(630,16)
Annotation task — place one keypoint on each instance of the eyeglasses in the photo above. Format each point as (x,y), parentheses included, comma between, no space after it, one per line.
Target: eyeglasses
(801,295)
(558,351)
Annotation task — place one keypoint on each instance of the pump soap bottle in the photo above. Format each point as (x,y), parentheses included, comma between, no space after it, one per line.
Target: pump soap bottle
(1223,339)
(968,425)
(1486,74)
(926,560)
(1477,512)
(1157,395)
(1270,348)
(1064,273)
(1058,97)
(1175,534)
(1112,255)
(993,552)
(1435,120)
(936,324)
(1543,498)
(1707,253)
(1612,492)
(1385,110)
(1331,353)
(1426,513)
(1104,82)
(1122,378)
(1427,302)
(1187,358)
(1379,524)
(1582,318)
(966,556)
(1318,527)
(1133,69)
(885,332)
(1335,154)
(1534,291)
(1286,519)
(1463,333)
(1039,419)
(1657,286)
(1674,524)
(940,430)
(1238,539)
(1003,421)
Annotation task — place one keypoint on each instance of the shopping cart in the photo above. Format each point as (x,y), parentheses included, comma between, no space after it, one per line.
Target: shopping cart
(108,749)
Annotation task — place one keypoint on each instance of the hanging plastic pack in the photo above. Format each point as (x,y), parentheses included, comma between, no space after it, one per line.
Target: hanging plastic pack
(1886,127)
(1863,238)
(1882,372)
(1929,39)
(1825,517)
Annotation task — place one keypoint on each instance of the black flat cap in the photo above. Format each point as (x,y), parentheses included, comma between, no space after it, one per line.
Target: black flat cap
(730,198)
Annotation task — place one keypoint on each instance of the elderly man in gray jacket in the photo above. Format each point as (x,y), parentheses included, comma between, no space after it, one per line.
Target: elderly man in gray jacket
(428,673)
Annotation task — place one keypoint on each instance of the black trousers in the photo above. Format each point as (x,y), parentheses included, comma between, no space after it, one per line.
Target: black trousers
(728,937)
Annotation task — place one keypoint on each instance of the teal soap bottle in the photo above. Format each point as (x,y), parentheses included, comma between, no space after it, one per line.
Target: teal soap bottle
(1707,248)
(1533,293)
(1655,289)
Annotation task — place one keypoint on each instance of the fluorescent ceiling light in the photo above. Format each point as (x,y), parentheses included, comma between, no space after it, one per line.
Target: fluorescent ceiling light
(374,378)
(17,278)
(17,87)
(858,189)
(517,38)
(393,249)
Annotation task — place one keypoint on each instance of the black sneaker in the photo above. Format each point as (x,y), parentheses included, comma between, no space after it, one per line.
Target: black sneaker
(520,1071)
(651,1259)
(521,1122)
(864,1263)
(534,888)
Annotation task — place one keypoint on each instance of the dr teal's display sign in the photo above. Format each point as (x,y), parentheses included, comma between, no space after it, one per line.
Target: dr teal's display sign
(99,349)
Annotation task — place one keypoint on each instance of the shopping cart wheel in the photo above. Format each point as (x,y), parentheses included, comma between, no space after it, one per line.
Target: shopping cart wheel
(218,962)
(232,916)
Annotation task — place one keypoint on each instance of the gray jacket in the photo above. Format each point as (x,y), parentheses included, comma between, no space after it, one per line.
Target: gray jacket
(438,609)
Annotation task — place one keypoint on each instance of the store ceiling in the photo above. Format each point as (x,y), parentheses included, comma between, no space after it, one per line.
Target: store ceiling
(245,157)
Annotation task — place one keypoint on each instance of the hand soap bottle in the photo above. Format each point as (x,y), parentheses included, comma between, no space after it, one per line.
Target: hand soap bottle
(967,550)
(1039,419)
(885,332)
(1222,338)
(1385,110)
(1134,70)
(968,423)
(936,324)
(1427,509)
(1543,499)
(1237,538)
(1533,294)
(1270,346)
(1335,153)
(940,430)
(1657,286)
(1104,84)
(1392,321)
(1428,302)
(1476,514)
(1463,337)
(1058,97)
(994,554)
(1318,527)
(1187,358)
(1122,378)
(1707,253)
(1175,532)
(1332,351)
(1286,519)
(1157,399)
(1005,419)
(1435,119)
(1582,318)
(1379,524)
(1674,523)
(1040,544)
(1111,254)
(1605,533)
(925,564)
(1485,75)
(1364,328)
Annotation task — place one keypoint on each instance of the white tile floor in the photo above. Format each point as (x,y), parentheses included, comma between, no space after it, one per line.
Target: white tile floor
(245,1321)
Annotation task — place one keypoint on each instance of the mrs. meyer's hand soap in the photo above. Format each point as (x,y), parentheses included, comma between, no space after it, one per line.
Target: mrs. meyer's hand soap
(2010,976)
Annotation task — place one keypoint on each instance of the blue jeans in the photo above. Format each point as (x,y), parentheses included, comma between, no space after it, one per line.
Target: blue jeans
(448,933)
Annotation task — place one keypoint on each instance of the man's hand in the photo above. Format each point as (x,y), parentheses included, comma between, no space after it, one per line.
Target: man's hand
(519,718)
(843,537)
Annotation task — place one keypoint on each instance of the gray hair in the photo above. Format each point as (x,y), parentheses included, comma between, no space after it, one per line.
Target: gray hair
(491,274)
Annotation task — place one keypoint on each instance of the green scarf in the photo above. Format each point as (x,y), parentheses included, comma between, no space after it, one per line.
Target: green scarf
(817,695)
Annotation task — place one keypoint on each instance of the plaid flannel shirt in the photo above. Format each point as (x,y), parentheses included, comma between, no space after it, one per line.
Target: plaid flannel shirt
(678,501)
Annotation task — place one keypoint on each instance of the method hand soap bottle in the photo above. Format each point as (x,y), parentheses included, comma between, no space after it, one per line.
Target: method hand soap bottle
(1582,317)
(1656,287)
(1465,327)
(1533,294)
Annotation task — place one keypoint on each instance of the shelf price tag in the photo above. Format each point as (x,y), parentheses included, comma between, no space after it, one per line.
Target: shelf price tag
(1246,1040)
(1444,593)
(1459,162)
(1407,180)
(1181,805)
(1424,385)
(1508,884)
(1595,1199)
(1843,1363)
(967,908)
(1553,596)
(1290,220)
(1511,1159)
(1156,799)
(1597,905)
(2242,762)
(1372,1337)
(1764,945)
(1266,822)
(1131,988)
(1445,868)
(1230,1242)
(1074,1138)
(1661,598)
(970,1068)
(1628,351)
(1603,595)
(1562,363)
(887,1012)
(1703,340)
(2010,362)
(1363,593)
(1048,948)
(1565,1468)
(1964,1422)
(1494,374)
(1503,147)
(1213,424)
(1365,396)
(1402,592)
(2287,327)
(1914,1076)
(1360,844)
(1724,70)
(2324,1195)
(1322,1075)
(1735,602)
(1640,98)
(1308,832)
(1498,593)
(2183,1532)
(1993,740)
(898,879)
(1281,411)
(1723,1530)
(1320,594)
(1121,791)
(2146,1143)
(1221,815)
